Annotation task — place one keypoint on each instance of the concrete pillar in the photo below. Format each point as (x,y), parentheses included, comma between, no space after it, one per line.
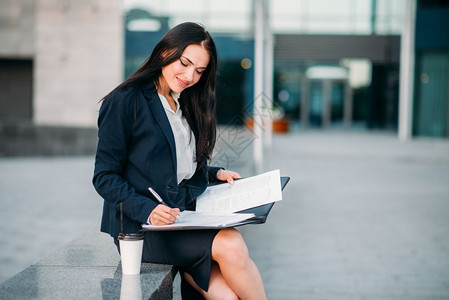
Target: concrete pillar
(258,84)
(407,64)
(268,83)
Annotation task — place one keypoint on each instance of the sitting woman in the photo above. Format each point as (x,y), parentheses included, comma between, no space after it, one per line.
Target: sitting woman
(157,129)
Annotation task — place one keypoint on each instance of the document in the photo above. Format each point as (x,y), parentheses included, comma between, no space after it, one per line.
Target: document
(243,194)
(217,207)
(196,220)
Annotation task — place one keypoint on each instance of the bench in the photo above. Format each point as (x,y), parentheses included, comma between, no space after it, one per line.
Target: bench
(88,268)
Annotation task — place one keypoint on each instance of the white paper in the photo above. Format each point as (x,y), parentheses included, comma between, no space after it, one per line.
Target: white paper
(193,219)
(243,194)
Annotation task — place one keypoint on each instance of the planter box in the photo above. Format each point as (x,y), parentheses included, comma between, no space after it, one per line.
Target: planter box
(279,126)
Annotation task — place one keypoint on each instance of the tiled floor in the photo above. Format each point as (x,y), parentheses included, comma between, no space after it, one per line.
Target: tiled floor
(363,217)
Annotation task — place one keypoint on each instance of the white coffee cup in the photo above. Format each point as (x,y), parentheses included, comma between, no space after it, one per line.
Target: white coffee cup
(131,246)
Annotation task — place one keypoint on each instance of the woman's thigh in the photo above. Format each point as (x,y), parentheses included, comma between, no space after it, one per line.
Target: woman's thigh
(229,244)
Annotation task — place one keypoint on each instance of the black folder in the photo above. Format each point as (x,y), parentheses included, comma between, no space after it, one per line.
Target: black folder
(261,212)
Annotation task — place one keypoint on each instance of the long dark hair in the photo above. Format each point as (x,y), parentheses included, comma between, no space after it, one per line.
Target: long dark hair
(198,101)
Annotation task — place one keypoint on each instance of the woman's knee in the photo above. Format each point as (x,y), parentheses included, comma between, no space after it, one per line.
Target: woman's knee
(229,245)
(218,287)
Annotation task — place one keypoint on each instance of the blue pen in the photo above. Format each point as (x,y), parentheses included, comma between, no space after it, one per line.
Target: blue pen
(156,195)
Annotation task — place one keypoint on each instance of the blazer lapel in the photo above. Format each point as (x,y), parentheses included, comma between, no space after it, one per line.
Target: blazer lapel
(157,110)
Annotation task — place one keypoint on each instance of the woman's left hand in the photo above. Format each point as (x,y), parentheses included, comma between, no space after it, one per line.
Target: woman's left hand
(227,175)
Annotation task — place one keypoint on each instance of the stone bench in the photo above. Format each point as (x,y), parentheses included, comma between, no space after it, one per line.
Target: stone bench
(88,268)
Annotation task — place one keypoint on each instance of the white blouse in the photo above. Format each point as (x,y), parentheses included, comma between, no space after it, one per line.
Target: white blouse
(184,139)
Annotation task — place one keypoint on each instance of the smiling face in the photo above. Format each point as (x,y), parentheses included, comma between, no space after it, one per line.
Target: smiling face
(186,71)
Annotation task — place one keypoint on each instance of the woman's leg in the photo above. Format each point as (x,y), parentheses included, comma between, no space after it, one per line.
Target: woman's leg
(236,267)
(218,289)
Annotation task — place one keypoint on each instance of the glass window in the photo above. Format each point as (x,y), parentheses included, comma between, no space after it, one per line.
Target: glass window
(286,16)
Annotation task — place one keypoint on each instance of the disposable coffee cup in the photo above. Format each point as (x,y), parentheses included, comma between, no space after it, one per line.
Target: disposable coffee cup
(131,246)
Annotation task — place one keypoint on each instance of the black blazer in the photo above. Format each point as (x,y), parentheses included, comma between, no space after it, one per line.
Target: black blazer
(136,150)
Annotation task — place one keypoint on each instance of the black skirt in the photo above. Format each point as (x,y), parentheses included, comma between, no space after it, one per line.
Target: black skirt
(189,250)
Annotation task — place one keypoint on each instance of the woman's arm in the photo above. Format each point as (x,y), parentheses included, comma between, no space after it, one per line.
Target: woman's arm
(115,127)
(212,173)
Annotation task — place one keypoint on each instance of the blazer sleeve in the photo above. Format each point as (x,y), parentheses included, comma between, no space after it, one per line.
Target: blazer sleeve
(212,173)
(115,127)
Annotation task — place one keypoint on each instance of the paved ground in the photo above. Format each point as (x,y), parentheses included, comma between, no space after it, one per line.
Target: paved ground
(46,202)
(364,216)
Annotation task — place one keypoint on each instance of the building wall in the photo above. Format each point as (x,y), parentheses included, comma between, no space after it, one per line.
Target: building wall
(17,28)
(78,59)
(57,60)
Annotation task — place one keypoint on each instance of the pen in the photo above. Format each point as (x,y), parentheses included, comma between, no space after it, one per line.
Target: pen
(156,195)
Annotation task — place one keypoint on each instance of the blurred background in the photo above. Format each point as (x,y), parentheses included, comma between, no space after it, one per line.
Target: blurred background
(339,75)
(335,63)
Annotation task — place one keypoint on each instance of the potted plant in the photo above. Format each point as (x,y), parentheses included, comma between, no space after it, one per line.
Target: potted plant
(280,123)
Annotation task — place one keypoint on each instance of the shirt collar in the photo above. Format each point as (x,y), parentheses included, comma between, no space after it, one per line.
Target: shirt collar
(176,98)
(167,106)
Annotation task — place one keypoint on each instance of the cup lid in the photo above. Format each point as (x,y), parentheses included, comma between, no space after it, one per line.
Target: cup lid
(131,236)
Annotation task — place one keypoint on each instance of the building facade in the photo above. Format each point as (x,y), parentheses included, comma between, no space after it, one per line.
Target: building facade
(336,63)
(57,60)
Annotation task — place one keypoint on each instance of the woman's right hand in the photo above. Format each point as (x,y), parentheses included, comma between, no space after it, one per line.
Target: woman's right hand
(164,215)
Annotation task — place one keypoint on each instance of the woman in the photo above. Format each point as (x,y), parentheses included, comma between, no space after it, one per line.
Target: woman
(157,129)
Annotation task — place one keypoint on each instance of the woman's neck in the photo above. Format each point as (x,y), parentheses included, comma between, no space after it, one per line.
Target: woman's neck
(163,88)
